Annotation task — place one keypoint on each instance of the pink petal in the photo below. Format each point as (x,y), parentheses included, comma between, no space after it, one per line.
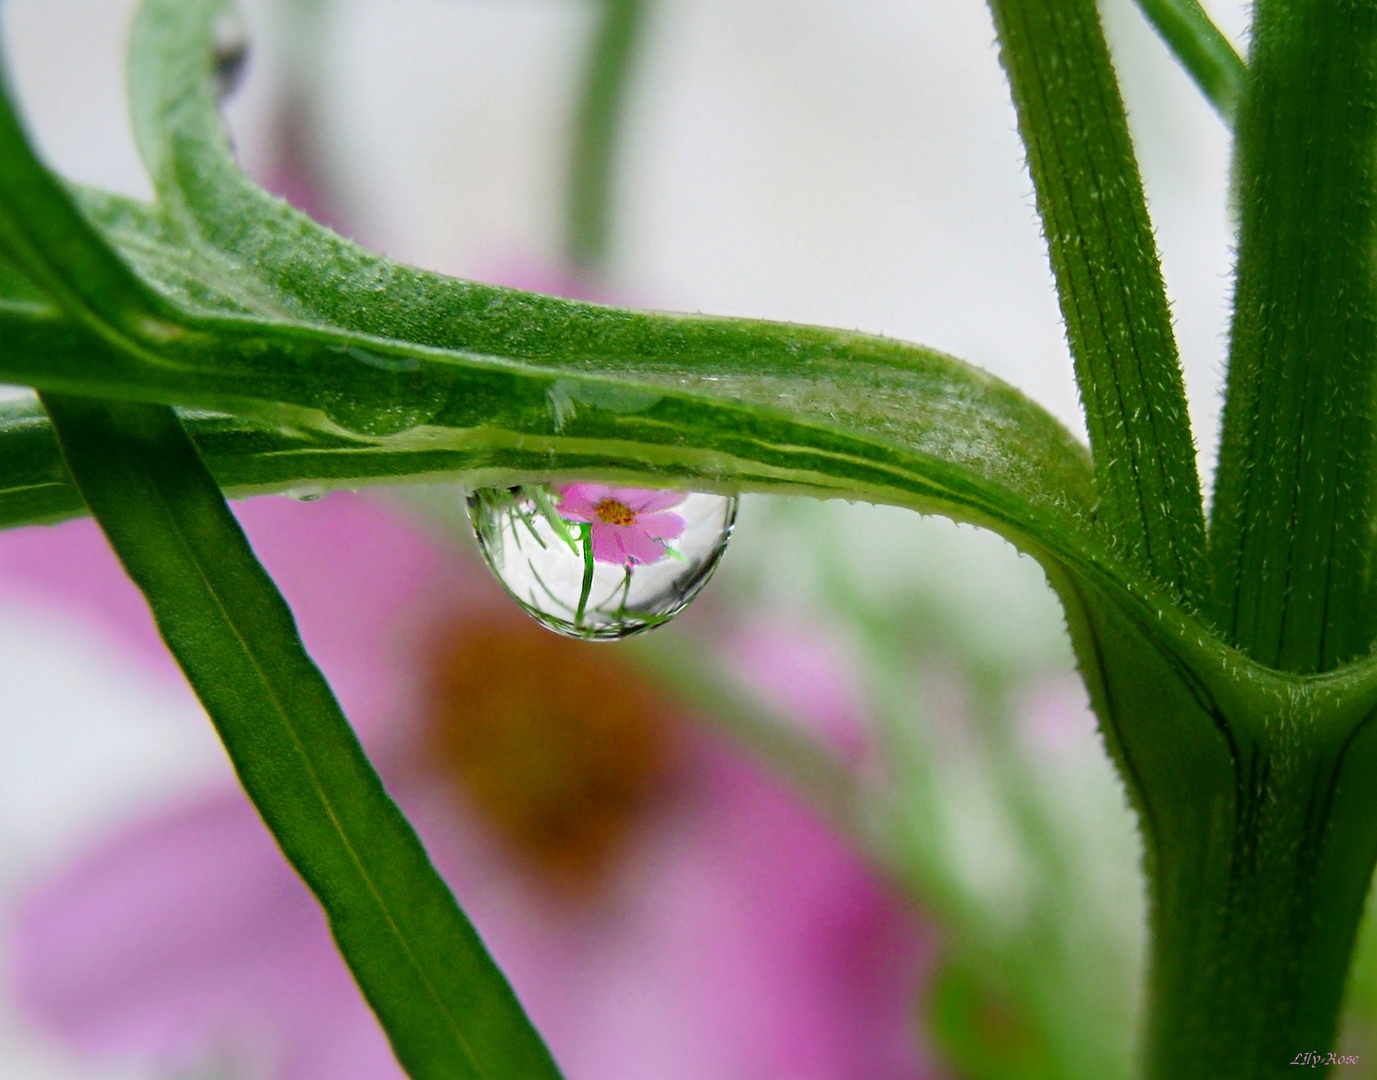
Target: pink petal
(72,567)
(352,622)
(804,673)
(648,500)
(349,620)
(590,493)
(640,547)
(608,546)
(662,526)
(579,502)
(740,939)
(573,510)
(189,932)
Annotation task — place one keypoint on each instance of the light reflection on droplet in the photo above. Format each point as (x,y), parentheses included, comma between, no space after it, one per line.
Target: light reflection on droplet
(601,561)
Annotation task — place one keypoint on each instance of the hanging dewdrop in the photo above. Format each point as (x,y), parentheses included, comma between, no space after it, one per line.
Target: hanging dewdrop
(598,561)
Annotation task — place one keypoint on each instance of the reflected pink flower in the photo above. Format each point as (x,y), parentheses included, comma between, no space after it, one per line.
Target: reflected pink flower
(729,935)
(629,525)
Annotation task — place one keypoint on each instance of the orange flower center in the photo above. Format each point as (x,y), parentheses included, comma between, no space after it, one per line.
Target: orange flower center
(558,745)
(612,512)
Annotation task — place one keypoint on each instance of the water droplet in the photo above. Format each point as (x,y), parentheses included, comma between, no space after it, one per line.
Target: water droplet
(306,493)
(230,53)
(599,561)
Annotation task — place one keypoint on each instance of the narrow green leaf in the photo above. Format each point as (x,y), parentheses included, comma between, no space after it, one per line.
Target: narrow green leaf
(1112,298)
(587,212)
(1293,506)
(443,1003)
(1201,48)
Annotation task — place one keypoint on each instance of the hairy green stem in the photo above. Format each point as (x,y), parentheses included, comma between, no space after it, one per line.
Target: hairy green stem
(1291,532)
(1255,924)
(1260,830)
(1104,258)
(1252,787)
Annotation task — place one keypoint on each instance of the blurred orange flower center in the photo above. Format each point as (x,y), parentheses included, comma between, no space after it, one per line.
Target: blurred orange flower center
(612,512)
(558,744)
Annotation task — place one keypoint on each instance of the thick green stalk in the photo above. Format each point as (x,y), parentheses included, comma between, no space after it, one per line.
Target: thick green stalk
(1252,786)
(588,196)
(1112,298)
(1292,519)
(1260,825)
(446,1008)
(1206,54)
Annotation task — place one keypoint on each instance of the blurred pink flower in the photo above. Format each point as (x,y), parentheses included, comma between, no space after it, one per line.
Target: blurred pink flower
(629,525)
(729,934)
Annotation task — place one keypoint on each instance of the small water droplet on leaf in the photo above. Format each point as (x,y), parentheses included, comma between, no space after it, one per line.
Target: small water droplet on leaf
(600,561)
(306,493)
(230,47)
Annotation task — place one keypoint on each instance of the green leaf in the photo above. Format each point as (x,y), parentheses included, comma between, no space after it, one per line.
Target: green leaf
(290,328)
(770,406)
(1112,298)
(1206,54)
(445,1006)
(52,251)
(1291,535)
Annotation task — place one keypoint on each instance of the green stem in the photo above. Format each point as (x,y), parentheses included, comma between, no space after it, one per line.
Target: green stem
(1292,520)
(586,538)
(588,196)
(1254,922)
(1206,54)
(1259,821)
(1104,258)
